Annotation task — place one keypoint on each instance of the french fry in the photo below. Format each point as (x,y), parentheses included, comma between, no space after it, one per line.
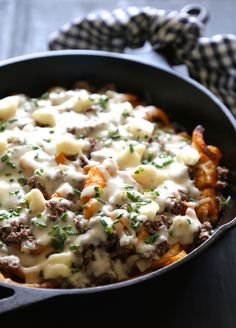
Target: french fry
(60,158)
(156,114)
(206,176)
(95,179)
(143,234)
(132,99)
(166,258)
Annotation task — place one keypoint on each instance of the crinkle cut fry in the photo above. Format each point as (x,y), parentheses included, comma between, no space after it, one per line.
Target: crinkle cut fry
(206,177)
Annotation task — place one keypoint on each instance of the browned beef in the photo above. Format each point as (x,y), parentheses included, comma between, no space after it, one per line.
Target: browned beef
(205,232)
(88,254)
(56,209)
(152,226)
(6,265)
(15,233)
(161,249)
(33,182)
(105,279)
(83,160)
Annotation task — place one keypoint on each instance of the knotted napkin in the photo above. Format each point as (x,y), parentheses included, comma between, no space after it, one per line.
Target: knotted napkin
(210,60)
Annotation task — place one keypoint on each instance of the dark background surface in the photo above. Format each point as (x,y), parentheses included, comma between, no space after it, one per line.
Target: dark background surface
(201,293)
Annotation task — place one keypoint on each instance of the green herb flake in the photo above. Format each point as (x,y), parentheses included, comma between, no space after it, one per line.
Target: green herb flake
(119,216)
(75,270)
(189,221)
(40,224)
(114,135)
(13,120)
(131,148)
(47,140)
(139,170)
(74,247)
(76,192)
(64,217)
(13,193)
(162,160)
(11,165)
(151,239)
(59,237)
(22,181)
(39,171)
(125,114)
(5,157)
(133,197)
(3,126)
(224,201)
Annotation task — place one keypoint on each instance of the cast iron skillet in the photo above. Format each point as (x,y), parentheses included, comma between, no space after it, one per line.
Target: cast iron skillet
(185,101)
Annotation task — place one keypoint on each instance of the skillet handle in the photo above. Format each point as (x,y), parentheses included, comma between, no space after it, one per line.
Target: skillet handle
(22,296)
(198,11)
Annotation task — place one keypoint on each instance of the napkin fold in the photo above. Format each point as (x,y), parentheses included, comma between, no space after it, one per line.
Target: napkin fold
(178,35)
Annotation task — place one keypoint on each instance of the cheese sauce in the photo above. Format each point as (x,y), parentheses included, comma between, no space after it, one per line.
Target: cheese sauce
(47,144)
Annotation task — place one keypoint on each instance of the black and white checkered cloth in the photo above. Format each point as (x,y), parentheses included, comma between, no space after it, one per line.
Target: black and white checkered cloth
(211,61)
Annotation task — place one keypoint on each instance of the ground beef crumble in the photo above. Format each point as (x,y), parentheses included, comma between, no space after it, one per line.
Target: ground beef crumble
(56,209)
(15,233)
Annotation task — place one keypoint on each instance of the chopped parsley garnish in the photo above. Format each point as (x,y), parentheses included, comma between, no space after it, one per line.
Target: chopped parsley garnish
(76,191)
(114,134)
(59,237)
(151,239)
(125,113)
(34,147)
(11,165)
(119,216)
(47,140)
(3,126)
(191,200)
(131,148)
(108,230)
(162,160)
(224,201)
(39,171)
(139,170)
(40,224)
(5,157)
(64,217)
(103,101)
(129,186)
(133,197)
(8,174)
(13,120)
(155,192)
(98,191)
(22,181)
(51,131)
(74,247)
(13,193)
(75,270)
(189,221)
(148,159)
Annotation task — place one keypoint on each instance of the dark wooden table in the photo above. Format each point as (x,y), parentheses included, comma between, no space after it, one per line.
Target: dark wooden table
(201,293)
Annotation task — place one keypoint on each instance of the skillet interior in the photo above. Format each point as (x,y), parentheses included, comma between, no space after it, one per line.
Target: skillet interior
(186,102)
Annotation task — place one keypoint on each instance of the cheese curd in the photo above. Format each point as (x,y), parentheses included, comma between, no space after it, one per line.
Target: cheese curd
(90,191)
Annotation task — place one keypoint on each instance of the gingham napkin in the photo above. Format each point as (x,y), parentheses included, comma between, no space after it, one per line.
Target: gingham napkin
(211,61)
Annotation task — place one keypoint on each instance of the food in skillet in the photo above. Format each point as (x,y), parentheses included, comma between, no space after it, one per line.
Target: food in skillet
(96,187)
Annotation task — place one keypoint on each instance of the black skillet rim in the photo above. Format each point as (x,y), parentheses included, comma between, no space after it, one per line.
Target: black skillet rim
(153,274)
